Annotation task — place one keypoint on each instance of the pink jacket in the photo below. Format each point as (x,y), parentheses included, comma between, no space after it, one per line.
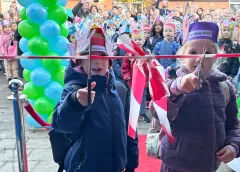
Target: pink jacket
(5,44)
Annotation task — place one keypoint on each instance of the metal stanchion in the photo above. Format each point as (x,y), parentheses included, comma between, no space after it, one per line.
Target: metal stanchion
(15,85)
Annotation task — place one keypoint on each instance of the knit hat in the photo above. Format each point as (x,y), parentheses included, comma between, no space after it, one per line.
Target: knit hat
(203,30)
(137,33)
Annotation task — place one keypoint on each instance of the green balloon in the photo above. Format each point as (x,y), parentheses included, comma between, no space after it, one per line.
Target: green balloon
(23,14)
(58,14)
(51,54)
(52,65)
(38,45)
(43,105)
(48,3)
(238,102)
(32,92)
(28,29)
(64,30)
(238,113)
(49,119)
(59,75)
(26,75)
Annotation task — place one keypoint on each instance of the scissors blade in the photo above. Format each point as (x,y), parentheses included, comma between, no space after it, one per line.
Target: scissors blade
(200,67)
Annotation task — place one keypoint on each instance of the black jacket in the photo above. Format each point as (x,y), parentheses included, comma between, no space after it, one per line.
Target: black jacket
(231,65)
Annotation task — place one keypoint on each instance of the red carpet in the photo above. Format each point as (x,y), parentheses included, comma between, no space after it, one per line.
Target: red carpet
(146,164)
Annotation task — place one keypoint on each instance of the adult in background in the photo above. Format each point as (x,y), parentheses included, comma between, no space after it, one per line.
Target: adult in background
(93,10)
(164,11)
(81,9)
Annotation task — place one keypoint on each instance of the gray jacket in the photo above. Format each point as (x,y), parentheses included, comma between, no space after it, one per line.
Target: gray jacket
(202,124)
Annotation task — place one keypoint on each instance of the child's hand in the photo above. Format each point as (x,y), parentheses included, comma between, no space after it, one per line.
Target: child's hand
(226,154)
(82,95)
(189,82)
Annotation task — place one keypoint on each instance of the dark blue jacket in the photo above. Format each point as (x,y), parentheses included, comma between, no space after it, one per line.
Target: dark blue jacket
(104,145)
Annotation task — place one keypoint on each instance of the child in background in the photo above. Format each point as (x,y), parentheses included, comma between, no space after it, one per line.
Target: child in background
(208,18)
(205,127)
(6,16)
(2,61)
(9,47)
(126,68)
(231,65)
(157,34)
(168,47)
(14,26)
(147,33)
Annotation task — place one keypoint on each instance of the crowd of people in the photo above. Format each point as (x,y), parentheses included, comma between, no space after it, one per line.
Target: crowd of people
(195,115)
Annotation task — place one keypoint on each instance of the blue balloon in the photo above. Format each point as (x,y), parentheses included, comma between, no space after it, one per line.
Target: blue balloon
(31,102)
(31,121)
(23,45)
(30,64)
(65,62)
(29,53)
(53,91)
(59,45)
(62,2)
(40,77)
(26,3)
(50,29)
(37,13)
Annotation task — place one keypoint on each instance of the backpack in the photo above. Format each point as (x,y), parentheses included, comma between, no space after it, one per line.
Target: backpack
(155,133)
(61,142)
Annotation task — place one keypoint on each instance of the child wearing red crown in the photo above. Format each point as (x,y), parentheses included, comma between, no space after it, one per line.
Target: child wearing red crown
(99,141)
(126,68)
(168,47)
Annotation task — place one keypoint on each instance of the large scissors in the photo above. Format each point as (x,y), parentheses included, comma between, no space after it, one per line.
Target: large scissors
(199,68)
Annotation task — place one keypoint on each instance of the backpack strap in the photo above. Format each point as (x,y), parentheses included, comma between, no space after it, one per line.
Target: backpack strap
(226,90)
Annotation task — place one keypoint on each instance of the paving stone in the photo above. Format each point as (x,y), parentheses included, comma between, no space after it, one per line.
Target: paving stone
(7,134)
(38,143)
(7,155)
(46,167)
(41,155)
(1,164)
(11,166)
(8,143)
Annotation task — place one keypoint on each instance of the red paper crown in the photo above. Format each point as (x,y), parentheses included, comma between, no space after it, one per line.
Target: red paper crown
(146,27)
(171,25)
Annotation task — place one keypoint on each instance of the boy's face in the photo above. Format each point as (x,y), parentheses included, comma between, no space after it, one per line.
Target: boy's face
(168,33)
(98,66)
(6,16)
(128,14)
(147,34)
(138,40)
(14,27)
(208,18)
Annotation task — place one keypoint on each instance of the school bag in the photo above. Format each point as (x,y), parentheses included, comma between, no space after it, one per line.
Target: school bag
(61,142)
(155,133)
